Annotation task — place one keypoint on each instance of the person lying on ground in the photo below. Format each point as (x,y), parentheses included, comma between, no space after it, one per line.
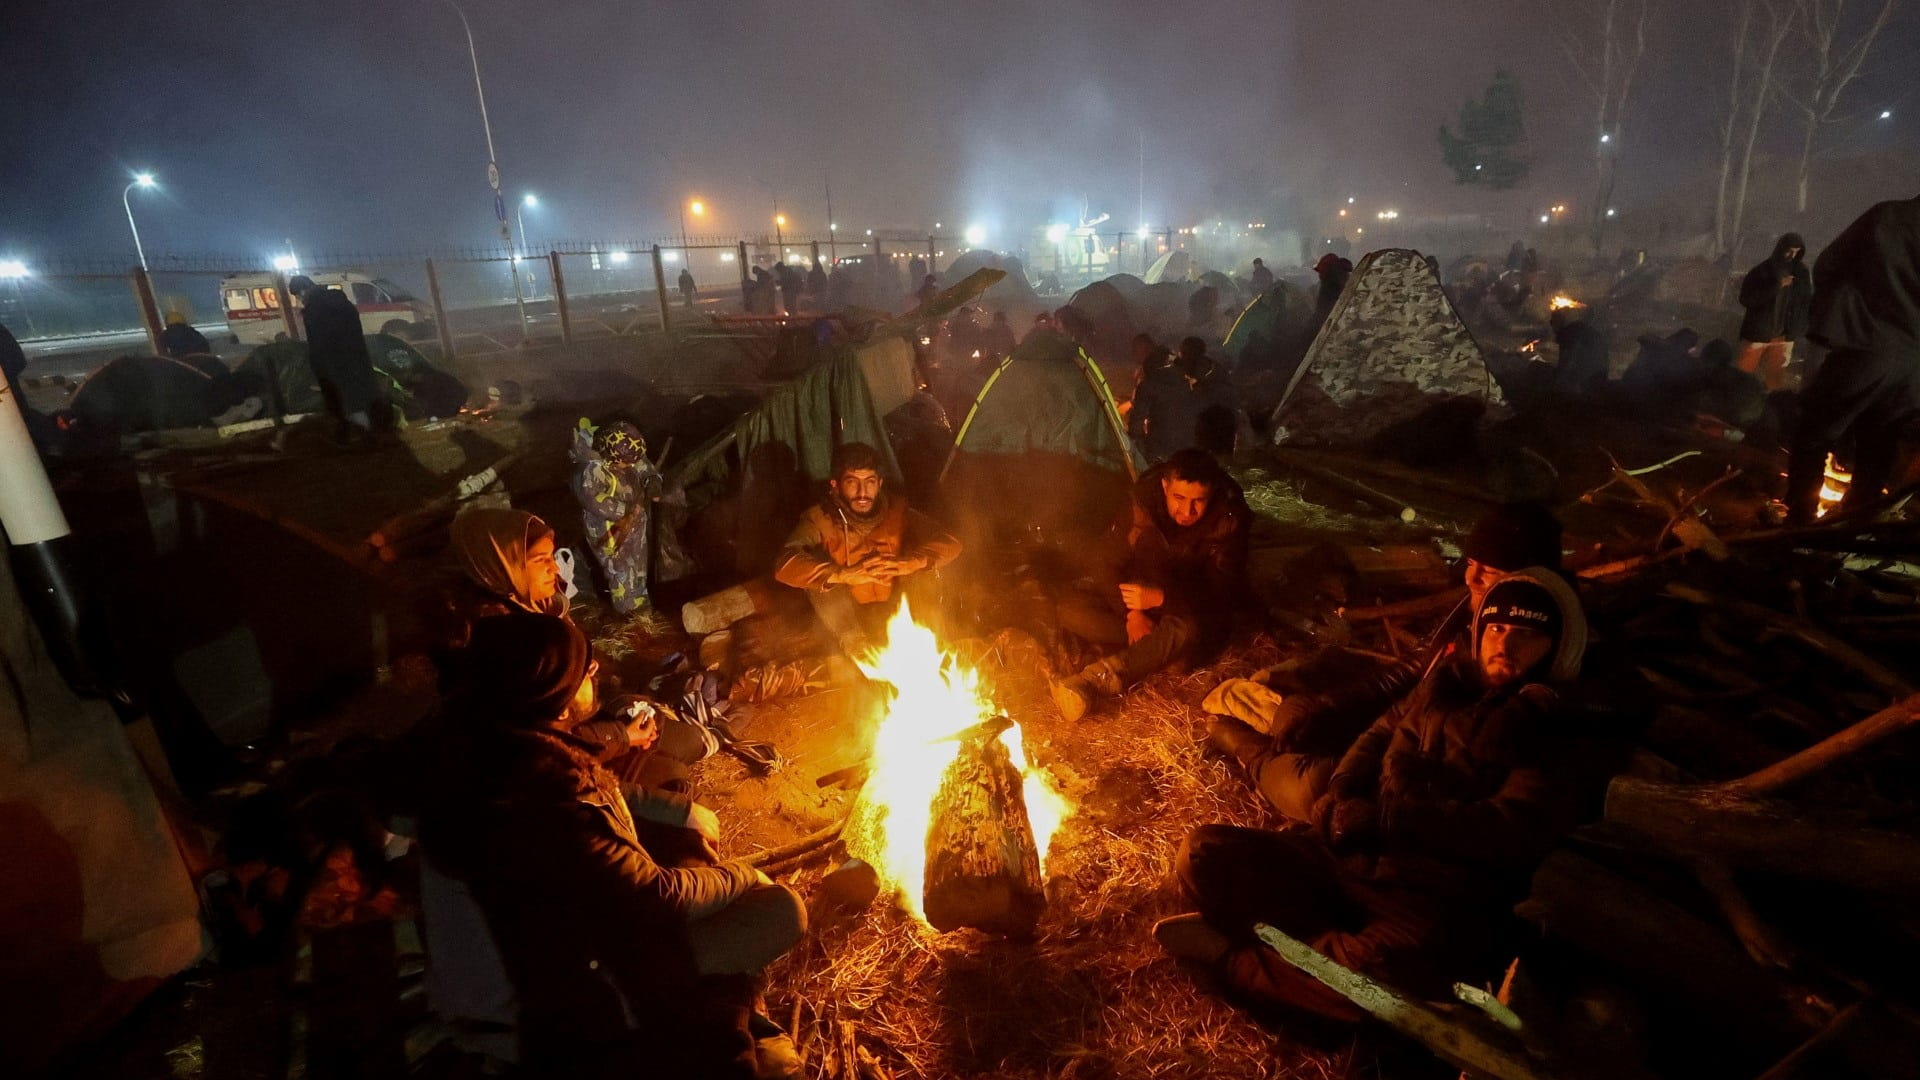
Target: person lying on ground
(859,547)
(1432,825)
(1183,581)
(1290,728)
(618,964)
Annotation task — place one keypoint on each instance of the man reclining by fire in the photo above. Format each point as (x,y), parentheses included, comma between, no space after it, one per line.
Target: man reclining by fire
(1431,825)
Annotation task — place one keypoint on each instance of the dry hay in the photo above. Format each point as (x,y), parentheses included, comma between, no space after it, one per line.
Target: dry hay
(1279,500)
(1093,996)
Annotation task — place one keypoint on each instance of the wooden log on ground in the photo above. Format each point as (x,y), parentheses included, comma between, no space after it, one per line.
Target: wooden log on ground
(1813,637)
(1698,820)
(1667,953)
(983,869)
(1841,745)
(1471,1040)
(1438,603)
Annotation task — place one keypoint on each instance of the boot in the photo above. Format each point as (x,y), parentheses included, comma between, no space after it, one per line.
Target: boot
(1237,740)
(1078,695)
(1191,938)
(775,1055)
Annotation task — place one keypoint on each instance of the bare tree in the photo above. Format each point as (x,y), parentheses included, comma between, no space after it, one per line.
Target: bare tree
(1760,31)
(1604,43)
(1833,65)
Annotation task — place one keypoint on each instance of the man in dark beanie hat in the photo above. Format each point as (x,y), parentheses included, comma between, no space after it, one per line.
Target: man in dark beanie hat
(1290,727)
(1509,537)
(1433,822)
(619,966)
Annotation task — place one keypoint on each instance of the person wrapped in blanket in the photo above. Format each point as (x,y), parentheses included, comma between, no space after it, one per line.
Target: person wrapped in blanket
(617,486)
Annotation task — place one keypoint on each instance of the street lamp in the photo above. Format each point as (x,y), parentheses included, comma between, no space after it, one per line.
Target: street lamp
(520,218)
(140,180)
(493,164)
(15,270)
(699,210)
(779,237)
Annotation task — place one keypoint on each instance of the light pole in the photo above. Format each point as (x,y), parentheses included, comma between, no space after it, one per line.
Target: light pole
(140,180)
(493,165)
(779,238)
(519,217)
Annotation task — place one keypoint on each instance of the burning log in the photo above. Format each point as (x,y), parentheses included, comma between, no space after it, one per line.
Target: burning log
(983,867)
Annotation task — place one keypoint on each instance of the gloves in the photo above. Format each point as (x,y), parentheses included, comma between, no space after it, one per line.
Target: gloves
(1352,824)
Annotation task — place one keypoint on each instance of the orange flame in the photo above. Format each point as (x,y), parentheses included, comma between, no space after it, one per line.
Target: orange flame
(1833,487)
(1563,301)
(935,697)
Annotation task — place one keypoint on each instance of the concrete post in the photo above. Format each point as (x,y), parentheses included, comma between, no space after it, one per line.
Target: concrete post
(440,323)
(560,298)
(149,308)
(660,290)
(746,280)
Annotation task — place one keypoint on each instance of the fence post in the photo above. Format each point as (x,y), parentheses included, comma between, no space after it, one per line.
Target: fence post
(149,309)
(560,299)
(930,255)
(816,251)
(746,280)
(660,290)
(439,313)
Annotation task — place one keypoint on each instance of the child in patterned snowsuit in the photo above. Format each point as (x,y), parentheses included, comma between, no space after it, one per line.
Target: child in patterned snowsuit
(616,486)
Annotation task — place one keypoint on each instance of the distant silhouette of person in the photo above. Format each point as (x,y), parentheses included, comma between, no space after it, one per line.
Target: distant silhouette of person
(1261,278)
(181,339)
(926,292)
(687,288)
(337,349)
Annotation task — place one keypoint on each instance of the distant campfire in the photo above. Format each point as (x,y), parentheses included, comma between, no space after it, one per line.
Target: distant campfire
(1563,301)
(1833,487)
(953,817)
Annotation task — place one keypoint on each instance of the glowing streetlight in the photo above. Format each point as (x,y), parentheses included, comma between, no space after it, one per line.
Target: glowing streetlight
(286,264)
(1056,234)
(975,236)
(1606,137)
(617,257)
(1886,114)
(699,209)
(1349,200)
(1544,218)
(140,180)
(526,201)
(13,269)
(1611,212)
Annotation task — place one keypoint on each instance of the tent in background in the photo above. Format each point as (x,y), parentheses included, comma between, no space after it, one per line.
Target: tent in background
(1392,348)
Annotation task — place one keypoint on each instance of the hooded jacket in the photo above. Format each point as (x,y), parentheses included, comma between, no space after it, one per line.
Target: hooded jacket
(1868,297)
(830,537)
(1202,567)
(1775,313)
(1464,786)
(591,930)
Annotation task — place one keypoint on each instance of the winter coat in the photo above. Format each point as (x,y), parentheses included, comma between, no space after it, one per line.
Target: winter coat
(1202,567)
(1868,283)
(830,537)
(1775,313)
(1261,279)
(591,930)
(1466,787)
(1581,370)
(337,349)
(179,340)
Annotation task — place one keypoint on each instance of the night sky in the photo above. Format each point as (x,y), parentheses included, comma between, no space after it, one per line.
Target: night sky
(353,124)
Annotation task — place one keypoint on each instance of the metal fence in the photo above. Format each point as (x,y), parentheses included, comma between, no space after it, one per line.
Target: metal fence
(466,297)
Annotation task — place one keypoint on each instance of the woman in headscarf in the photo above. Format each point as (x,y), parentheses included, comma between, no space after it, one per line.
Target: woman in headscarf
(508,558)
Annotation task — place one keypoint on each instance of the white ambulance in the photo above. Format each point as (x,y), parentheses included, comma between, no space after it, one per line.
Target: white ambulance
(253,308)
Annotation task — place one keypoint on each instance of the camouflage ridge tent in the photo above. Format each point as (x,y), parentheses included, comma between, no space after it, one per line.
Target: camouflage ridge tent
(1012,294)
(1392,347)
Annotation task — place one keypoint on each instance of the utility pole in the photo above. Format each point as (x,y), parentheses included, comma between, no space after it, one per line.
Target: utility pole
(493,169)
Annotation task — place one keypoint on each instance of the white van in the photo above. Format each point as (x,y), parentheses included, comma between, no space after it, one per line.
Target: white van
(253,308)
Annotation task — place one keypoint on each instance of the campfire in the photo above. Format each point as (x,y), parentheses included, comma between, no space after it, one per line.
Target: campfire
(953,817)
(1562,302)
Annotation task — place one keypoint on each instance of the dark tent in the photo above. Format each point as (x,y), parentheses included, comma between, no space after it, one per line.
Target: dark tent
(1013,294)
(421,390)
(148,393)
(1043,449)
